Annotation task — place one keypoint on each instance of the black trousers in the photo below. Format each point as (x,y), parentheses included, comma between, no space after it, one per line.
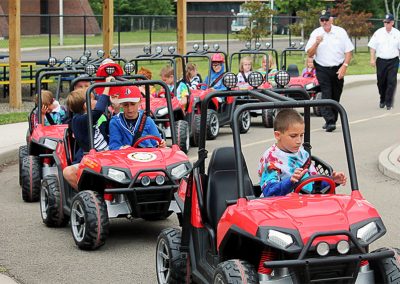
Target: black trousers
(331,88)
(386,75)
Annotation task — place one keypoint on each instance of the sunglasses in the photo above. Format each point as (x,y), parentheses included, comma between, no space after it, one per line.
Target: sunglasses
(216,64)
(324,20)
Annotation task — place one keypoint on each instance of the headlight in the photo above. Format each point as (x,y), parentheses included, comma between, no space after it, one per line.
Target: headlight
(323,248)
(100,53)
(160,179)
(116,175)
(68,60)
(90,69)
(367,232)
(162,111)
(129,67)
(255,79)
(49,143)
(343,247)
(309,86)
(145,181)
(180,171)
(280,239)
(229,80)
(52,61)
(110,70)
(282,78)
(113,53)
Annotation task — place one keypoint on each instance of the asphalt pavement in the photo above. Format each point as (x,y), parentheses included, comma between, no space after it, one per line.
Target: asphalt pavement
(13,136)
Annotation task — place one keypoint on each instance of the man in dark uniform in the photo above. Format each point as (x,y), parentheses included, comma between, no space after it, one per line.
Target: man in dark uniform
(331,48)
(384,49)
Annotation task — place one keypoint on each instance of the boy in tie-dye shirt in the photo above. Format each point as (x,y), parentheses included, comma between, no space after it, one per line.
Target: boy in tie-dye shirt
(287,162)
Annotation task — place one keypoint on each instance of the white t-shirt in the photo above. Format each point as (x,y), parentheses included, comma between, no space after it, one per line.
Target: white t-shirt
(331,51)
(386,44)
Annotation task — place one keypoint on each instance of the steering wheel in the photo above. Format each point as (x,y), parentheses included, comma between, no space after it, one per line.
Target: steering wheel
(144,138)
(199,85)
(330,189)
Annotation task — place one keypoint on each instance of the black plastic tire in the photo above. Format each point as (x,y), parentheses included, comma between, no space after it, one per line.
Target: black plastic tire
(244,122)
(235,271)
(51,203)
(89,220)
(387,270)
(268,118)
(194,139)
(212,124)
(317,110)
(23,152)
(30,173)
(182,135)
(170,266)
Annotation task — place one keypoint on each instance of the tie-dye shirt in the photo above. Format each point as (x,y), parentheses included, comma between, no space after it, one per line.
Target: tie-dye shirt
(276,168)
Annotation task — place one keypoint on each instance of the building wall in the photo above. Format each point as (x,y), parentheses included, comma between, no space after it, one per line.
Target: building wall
(34,25)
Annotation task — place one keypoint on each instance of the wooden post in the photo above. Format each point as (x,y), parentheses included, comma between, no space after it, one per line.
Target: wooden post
(14,31)
(181,29)
(108,26)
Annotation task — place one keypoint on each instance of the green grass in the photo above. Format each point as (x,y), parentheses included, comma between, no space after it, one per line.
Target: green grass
(14,117)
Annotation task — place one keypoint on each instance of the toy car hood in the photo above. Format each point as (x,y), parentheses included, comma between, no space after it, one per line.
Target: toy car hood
(306,214)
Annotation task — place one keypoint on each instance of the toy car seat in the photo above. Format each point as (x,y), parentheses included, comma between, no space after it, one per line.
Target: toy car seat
(222,183)
(293,70)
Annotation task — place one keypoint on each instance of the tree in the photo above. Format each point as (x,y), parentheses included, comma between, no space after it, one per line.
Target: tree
(259,21)
(355,23)
(136,7)
(309,21)
(393,6)
(295,5)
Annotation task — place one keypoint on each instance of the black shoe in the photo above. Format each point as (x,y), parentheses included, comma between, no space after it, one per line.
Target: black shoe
(330,127)
(381,105)
(324,126)
(388,107)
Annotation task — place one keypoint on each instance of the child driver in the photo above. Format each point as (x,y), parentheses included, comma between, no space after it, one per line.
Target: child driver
(282,165)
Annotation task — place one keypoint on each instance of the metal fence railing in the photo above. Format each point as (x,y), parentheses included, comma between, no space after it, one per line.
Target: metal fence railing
(85,31)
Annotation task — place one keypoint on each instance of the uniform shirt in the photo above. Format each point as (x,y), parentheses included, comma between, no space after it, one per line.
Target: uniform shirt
(331,51)
(386,44)
(276,168)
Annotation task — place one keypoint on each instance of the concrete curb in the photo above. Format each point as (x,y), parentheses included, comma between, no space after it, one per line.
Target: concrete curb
(389,162)
(4,279)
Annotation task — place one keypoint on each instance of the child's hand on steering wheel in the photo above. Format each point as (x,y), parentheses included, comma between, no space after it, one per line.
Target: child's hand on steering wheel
(339,178)
(162,144)
(297,175)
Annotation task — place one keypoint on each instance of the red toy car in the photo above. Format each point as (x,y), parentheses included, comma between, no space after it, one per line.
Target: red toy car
(41,141)
(230,236)
(132,183)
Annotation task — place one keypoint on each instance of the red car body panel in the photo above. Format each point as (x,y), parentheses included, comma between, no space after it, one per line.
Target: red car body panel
(134,159)
(302,81)
(305,213)
(50,131)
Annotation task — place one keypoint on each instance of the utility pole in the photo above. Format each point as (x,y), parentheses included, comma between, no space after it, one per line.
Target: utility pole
(14,32)
(108,26)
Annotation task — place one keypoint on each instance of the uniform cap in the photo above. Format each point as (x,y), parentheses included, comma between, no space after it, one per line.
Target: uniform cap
(129,94)
(388,18)
(324,15)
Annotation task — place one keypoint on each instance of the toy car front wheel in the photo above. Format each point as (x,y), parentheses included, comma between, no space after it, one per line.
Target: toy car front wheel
(89,220)
(51,207)
(317,110)
(170,265)
(387,270)
(194,139)
(30,174)
(23,152)
(244,122)
(235,271)
(182,135)
(268,118)
(212,124)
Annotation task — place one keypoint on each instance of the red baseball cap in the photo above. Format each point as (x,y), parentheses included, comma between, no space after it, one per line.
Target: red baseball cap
(129,94)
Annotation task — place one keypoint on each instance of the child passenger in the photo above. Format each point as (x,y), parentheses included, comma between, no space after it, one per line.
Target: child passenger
(283,164)
(245,69)
(76,102)
(193,78)
(125,126)
(182,92)
(309,71)
(217,72)
(52,113)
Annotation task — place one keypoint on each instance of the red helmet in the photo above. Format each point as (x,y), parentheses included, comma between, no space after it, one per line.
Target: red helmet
(217,57)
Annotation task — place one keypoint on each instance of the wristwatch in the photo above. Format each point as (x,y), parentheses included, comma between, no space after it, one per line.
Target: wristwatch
(345,64)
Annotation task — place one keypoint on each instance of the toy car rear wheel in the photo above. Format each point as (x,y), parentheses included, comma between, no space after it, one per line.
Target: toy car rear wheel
(30,174)
(183,135)
(194,139)
(235,271)
(268,118)
(387,270)
(317,110)
(170,266)
(212,124)
(89,220)
(23,152)
(51,207)
(244,122)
